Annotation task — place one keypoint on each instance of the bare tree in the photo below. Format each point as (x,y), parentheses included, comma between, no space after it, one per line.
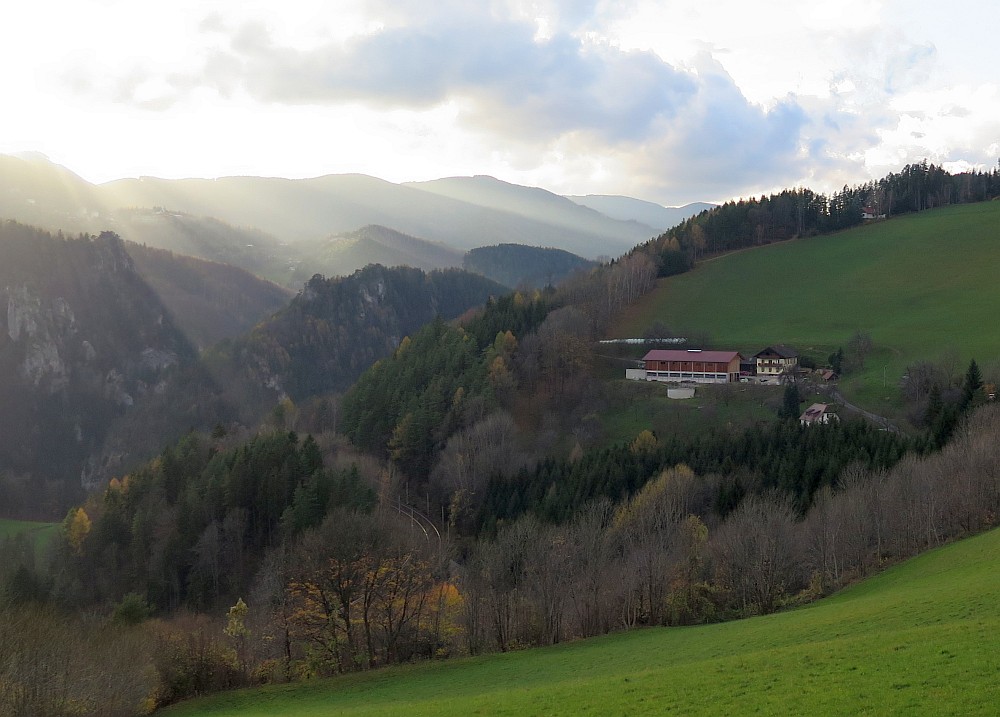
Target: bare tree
(859,347)
(756,554)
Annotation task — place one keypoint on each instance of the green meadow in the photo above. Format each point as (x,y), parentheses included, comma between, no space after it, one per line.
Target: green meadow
(924,286)
(634,406)
(40,533)
(921,638)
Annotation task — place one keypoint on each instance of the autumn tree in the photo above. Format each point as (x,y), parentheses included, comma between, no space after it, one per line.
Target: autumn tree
(756,554)
(77,527)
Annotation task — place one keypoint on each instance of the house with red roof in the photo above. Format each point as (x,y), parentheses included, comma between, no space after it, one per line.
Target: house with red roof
(816,414)
(695,365)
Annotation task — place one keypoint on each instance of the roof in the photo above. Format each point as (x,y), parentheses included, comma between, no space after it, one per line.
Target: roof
(779,350)
(814,412)
(690,355)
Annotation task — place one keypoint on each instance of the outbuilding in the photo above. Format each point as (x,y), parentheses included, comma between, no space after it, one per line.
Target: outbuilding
(695,365)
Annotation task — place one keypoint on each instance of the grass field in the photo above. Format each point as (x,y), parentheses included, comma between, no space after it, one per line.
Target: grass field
(922,638)
(635,406)
(924,286)
(41,533)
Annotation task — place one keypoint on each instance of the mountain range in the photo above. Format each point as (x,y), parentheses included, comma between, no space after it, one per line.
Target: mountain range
(287,229)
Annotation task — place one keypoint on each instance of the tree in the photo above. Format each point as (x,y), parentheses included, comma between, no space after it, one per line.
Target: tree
(790,402)
(934,405)
(77,527)
(971,385)
(236,628)
(756,554)
(837,360)
(859,347)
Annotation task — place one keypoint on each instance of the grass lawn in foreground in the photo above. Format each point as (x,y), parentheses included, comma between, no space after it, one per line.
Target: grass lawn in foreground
(923,285)
(922,638)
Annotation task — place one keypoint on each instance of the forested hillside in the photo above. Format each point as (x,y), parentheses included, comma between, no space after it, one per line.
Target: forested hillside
(519,266)
(206,238)
(343,254)
(209,301)
(335,329)
(99,374)
(83,340)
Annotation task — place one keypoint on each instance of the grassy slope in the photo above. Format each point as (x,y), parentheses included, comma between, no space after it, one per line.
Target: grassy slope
(635,406)
(41,533)
(918,639)
(921,285)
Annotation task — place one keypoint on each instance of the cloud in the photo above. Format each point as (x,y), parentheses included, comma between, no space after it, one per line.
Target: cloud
(722,145)
(505,75)
(669,101)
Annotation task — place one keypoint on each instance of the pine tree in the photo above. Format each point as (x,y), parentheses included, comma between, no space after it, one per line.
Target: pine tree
(790,402)
(971,385)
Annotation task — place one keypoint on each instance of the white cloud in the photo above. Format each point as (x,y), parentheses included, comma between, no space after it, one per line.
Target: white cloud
(669,101)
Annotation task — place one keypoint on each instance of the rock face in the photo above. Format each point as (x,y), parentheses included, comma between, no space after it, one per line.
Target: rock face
(83,341)
(41,328)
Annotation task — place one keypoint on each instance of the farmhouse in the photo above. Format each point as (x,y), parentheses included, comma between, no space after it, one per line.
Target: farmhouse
(816,414)
(776,360)
(692,365)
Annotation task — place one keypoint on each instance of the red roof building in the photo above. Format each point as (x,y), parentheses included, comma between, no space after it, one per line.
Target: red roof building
(818,413)
(692,365)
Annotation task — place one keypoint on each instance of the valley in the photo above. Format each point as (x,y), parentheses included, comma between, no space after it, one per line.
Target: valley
(401,465)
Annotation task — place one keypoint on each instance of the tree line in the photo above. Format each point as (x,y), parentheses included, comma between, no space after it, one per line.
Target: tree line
(664,555)
(792,213)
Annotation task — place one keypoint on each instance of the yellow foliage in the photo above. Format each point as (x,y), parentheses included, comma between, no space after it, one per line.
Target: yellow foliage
(505,343)
(644,442)
(77,529)
(236,622)
(652,496)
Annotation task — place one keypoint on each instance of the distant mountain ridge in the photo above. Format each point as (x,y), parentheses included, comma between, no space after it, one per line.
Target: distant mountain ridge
(272,214)
(648,213)
(343,254)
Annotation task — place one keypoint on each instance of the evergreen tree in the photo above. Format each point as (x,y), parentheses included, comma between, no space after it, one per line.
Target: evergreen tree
(790,402)
(837,360)
(971,385)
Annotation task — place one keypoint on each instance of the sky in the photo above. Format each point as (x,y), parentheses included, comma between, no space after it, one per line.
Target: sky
(672,101)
